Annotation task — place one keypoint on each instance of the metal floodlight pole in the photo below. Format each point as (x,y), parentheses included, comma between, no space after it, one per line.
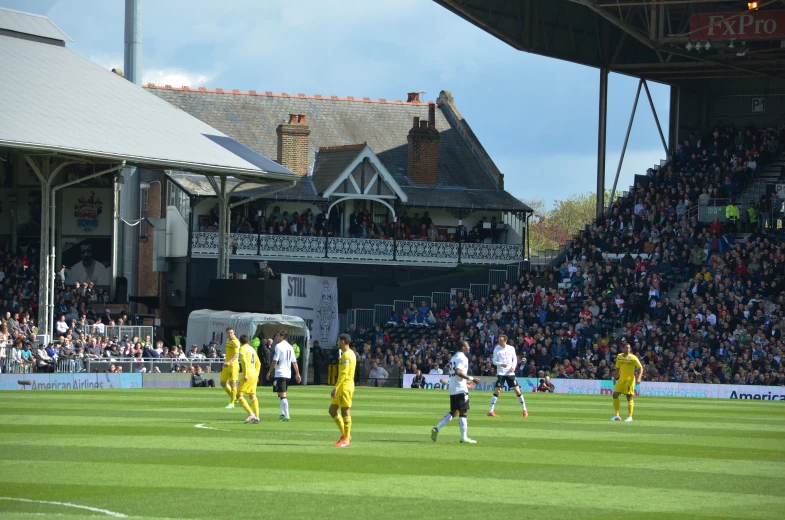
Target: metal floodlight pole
(128,238)
(654,113)
(626,140)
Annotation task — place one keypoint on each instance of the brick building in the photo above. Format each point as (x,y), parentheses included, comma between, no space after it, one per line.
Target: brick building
(394,159)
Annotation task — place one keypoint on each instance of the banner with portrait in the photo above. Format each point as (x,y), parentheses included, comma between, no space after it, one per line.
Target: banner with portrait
(314,299)
(86,211)
(87,260)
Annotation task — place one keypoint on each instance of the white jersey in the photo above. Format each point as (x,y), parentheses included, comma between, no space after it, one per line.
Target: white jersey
(457,385)
(505,356)
(284,357)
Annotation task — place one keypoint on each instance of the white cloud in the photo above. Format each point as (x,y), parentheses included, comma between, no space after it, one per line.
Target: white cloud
(174,77)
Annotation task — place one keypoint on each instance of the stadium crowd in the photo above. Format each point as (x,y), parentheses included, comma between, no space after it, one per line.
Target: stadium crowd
(361,225)
(565,320)
(568,321)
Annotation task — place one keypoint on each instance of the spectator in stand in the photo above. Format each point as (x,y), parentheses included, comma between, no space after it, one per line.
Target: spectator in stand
(377,372)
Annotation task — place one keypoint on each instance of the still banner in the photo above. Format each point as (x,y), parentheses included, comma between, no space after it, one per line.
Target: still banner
(314,299)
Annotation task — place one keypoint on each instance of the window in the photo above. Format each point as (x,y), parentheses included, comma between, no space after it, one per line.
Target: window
(179,199)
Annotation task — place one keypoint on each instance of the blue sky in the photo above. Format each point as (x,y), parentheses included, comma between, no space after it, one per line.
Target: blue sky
(535,116)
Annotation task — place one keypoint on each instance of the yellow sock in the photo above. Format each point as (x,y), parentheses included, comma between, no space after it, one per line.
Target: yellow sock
(244,404)
(232,393)
(228,390)
(339,421)
(255,404)
(347,427)
(630,406)
(616,405)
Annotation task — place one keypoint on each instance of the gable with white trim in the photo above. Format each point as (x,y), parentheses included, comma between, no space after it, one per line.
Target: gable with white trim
(366,176)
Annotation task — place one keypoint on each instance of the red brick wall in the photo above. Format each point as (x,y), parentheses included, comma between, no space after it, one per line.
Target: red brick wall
(424,155)
(148,281)
(293,142)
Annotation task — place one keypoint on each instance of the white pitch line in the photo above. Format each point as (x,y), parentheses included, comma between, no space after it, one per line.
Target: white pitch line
(202,426)
(67,504)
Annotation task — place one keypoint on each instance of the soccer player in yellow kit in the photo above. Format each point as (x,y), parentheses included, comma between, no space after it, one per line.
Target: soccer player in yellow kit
(231,368)
(343,392)
(249,361)
(625,377)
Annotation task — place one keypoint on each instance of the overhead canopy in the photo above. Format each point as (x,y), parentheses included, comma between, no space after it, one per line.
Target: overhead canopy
(54,100)
(643,38)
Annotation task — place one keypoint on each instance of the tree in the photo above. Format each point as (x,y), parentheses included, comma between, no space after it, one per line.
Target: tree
(551,229)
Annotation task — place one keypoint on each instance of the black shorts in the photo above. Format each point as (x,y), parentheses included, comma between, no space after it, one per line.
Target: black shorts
(459,402)
(511,381)
(280,384)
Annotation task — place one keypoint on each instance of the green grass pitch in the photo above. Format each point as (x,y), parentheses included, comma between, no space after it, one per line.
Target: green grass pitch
(138,453)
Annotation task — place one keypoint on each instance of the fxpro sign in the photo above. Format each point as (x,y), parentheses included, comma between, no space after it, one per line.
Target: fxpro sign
(754,25)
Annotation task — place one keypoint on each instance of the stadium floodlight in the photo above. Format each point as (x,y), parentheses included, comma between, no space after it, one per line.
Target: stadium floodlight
(707,45)
(688,46)
(752,6)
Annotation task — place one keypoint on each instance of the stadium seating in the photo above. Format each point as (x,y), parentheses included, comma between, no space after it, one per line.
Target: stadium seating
(699,302)
(648,272)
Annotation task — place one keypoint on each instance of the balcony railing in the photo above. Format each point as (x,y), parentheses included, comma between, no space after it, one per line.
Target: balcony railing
(358,249)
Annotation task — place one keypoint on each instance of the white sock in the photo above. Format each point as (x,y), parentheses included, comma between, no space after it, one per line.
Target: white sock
(285,407)
(494,397)
(464,425)
(522,401)
(447,418)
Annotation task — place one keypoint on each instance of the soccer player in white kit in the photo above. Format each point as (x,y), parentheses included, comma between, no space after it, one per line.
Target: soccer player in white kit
(283,361)
(506,360)
(458,385)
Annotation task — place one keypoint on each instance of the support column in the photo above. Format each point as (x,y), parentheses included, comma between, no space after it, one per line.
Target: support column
(673,137)
(222,227)
(601,141)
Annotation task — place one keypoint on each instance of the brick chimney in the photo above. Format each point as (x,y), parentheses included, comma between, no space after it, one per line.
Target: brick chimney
(293,140)
(413,97)
(424,150)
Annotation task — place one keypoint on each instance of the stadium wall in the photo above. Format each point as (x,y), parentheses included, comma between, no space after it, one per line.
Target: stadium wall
(645,389)
(99,381)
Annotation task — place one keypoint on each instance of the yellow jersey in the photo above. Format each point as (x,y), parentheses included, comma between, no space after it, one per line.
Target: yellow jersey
(249,360)
(231,348)
(627,365)
(346,366)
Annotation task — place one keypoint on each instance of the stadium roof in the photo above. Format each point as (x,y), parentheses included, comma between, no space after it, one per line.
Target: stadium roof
(30,25)
(56,101)
(653,39)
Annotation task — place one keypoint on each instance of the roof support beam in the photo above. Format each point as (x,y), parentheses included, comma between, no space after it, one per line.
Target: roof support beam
(624,26)
(626,139)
